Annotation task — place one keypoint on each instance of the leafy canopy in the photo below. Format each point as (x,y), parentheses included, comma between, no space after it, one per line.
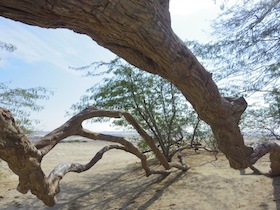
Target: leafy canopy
(245,50)
(245,59)
(156,104)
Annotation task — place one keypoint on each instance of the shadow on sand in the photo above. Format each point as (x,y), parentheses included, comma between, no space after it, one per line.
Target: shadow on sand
(128,189)
(158,193)
(276,187)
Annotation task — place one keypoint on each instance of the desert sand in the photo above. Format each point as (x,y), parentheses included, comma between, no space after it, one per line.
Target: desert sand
(118,182)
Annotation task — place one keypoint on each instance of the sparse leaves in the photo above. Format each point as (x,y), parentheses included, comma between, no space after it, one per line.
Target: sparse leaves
(156,104)
(246,46)
(22,101)
(244,58)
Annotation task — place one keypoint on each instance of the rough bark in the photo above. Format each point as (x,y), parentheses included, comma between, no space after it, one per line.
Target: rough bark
(262,148)
(24,158)
(140,32)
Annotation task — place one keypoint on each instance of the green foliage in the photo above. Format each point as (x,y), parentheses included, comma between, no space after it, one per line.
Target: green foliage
(244,57)
(157,104)
(264,120)
(21,101)
(246,47)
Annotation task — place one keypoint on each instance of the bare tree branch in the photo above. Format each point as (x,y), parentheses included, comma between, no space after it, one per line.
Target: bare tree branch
(74,127)
(62,169)
(275,135)
(127,145)
(261,149)
(24,158)
(71,127)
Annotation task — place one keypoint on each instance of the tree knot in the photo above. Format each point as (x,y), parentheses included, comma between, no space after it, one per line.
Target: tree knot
(238,104)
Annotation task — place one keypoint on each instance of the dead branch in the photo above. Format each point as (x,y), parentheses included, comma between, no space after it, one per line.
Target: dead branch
(181,167)
(129,146)
(195,147)
(262,148)
(24,158)
(74,127)
(71,127)
(62,169)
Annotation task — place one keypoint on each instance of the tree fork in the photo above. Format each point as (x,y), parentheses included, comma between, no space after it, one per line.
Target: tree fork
(141,33)
(24,158)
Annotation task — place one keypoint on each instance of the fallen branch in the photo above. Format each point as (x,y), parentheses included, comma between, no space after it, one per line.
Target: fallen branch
(62,169)
(24,158)
(195,147)
(262,148)
(74,127)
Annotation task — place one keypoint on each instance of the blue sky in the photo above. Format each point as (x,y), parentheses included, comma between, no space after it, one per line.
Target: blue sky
(43,57)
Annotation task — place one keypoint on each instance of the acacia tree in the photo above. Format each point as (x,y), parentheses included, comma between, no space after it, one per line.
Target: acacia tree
(245,45)
(264,121)
(141,33)
(245,58)
(156,104)
(21,102)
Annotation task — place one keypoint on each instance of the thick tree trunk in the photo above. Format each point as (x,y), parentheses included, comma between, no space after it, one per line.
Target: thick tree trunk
(140,32)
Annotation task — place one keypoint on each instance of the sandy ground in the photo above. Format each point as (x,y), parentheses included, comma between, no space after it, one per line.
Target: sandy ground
(118,182)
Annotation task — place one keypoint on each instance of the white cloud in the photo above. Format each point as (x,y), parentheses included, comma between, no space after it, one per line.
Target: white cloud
(60,47)
(189,7)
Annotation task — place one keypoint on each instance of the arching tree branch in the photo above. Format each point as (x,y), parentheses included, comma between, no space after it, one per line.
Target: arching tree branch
(141,33)
(24,158)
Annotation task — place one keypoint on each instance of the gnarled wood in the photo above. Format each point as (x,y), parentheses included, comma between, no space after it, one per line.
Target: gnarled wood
(140,32)
(74,127)
(24,158)
(261,149)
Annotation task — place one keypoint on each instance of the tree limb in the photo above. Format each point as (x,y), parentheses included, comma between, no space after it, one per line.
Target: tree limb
(24,158)
(262,148)
(74,127)
(141,33)
(62,169)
